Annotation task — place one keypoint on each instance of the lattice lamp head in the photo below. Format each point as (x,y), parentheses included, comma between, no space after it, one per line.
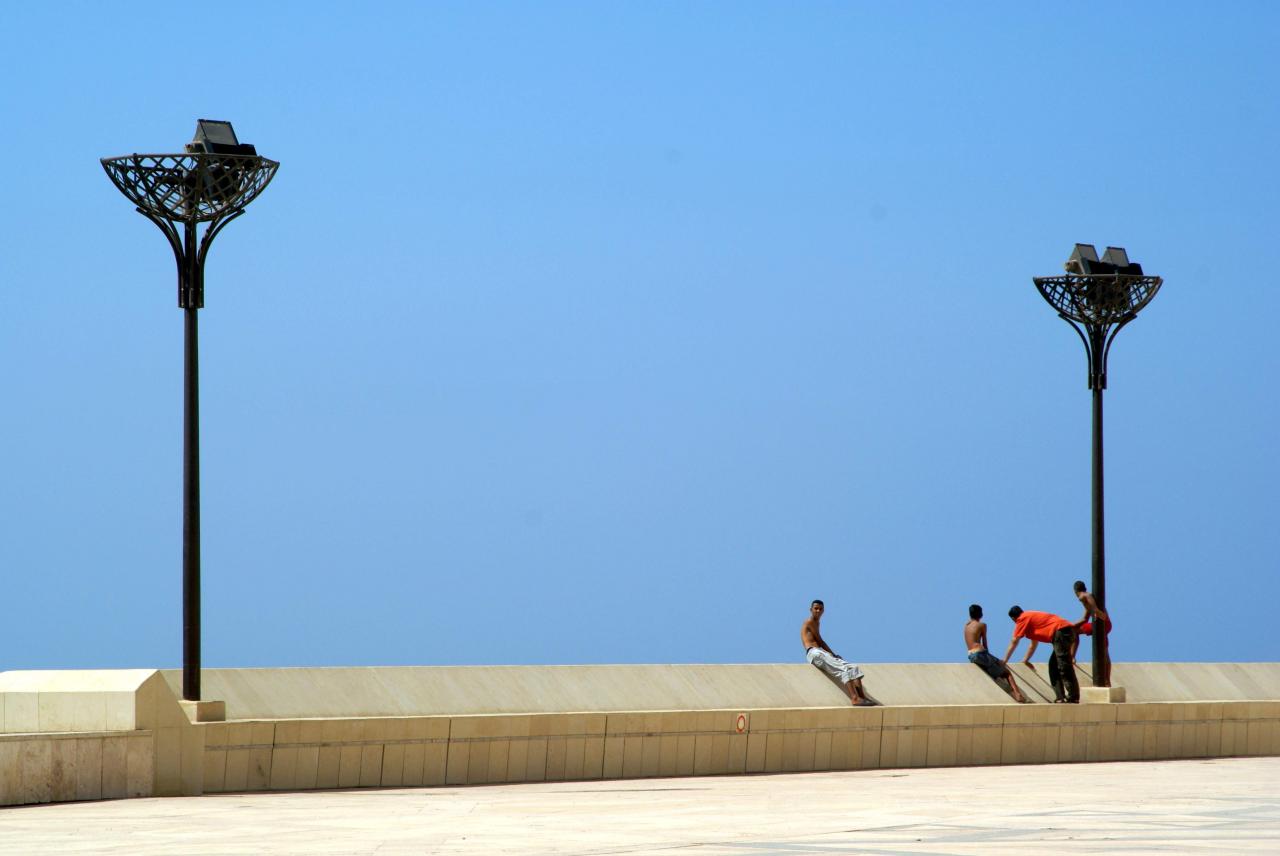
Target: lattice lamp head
(217,176)
(1099,291)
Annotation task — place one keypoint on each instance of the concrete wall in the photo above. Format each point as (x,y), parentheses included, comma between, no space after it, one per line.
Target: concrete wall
(95,735)
(487,749)
(67,767)
(449,690)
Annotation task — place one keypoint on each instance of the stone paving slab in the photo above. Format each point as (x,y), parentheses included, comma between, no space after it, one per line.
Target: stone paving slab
(1204,806)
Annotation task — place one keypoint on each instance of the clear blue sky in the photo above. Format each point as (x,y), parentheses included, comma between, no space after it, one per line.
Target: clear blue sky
(616,332)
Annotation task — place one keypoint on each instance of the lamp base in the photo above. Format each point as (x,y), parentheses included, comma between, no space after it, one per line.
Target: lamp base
(1102,695)
(204,711)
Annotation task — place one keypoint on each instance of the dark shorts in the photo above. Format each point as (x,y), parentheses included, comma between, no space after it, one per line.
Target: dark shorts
(989,664)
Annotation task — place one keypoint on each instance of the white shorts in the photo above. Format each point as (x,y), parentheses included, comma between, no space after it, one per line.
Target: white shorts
(833,665)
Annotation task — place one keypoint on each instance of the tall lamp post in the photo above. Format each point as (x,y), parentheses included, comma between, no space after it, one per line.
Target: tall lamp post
(1098,297)
(206,186)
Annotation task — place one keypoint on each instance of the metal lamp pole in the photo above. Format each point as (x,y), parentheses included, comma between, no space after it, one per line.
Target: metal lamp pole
(208,185)
(1098,297)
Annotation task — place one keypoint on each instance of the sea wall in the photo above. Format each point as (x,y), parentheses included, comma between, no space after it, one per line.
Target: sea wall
(108,734)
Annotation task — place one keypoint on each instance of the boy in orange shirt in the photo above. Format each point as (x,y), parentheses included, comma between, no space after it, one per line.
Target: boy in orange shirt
(1057,631)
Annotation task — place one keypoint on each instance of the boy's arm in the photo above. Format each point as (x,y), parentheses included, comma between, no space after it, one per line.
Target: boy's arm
(822,643)
(812,638)
(1090,608)
(1013,644)
(1030,651)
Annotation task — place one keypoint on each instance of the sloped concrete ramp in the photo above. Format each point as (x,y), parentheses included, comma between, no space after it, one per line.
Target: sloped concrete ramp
(460,690)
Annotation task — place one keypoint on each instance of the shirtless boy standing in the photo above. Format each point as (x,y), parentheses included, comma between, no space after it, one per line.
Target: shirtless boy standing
(819,654)
(1094,617)
(975,639)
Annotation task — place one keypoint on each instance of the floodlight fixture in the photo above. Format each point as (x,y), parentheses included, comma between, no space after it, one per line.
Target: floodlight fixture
(191,196)
(219,138)
(1098,297)
(1117,257)
(1084,260)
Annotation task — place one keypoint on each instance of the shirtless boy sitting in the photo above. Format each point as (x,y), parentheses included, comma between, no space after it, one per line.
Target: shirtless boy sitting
(975,639)
(819,654)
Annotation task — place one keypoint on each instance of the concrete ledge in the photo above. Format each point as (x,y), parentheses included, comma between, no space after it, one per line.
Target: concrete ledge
(58,720)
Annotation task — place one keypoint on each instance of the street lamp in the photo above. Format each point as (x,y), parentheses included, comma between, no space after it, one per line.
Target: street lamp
(1097,297)
(210,184)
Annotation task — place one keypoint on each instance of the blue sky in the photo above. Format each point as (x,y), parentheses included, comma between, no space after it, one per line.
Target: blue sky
(579,333)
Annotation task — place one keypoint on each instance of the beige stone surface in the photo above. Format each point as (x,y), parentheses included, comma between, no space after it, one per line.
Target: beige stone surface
(37,767)
(74,680)
(79,700)
(165,753)
(1102,695)
(21,712)
(89,769)
(443,690)
(10,772)
(207,710)
(1218,806)
(115,779)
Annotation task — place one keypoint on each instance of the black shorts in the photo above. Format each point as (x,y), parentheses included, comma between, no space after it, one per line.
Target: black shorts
(989,664)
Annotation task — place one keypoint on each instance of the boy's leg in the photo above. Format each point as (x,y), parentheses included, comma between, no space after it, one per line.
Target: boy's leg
(1062,657)
(863,700)
(1106,655)
(1013,685)
(1055,677)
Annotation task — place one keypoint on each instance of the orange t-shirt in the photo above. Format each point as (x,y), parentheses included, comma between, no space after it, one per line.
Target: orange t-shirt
(1038,626)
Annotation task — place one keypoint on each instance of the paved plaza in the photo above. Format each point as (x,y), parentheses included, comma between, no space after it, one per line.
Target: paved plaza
(1202,806)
